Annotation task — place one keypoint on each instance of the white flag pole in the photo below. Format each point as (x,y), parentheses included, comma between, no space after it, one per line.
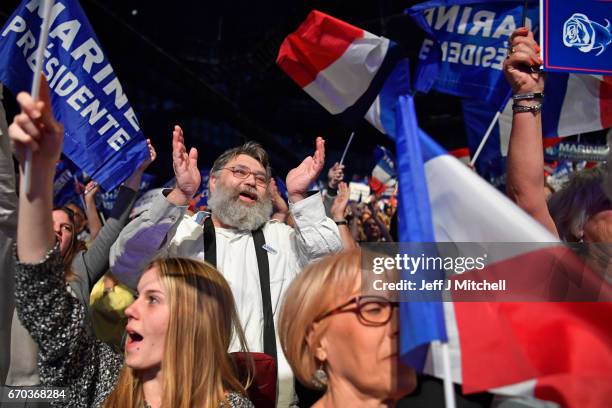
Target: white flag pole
(347,147)
(485,138)
(40,56)
(449,391)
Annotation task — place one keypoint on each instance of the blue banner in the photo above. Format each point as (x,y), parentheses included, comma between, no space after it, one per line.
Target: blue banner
(65,183)
(466,46)
(577,36)
(102,135)
(106,200)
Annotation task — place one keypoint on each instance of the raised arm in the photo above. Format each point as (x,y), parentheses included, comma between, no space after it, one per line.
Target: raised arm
(146,236)
(93,218)
(338,211)
(54,318)
(316,235)
(95,261)
(280,207)
(36,129)
(525,166)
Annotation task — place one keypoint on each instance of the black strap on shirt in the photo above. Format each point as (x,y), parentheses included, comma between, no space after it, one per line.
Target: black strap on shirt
(210,242)
(263,265)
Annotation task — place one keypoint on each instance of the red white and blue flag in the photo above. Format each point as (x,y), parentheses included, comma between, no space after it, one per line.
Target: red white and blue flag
(383,178)
(547,350)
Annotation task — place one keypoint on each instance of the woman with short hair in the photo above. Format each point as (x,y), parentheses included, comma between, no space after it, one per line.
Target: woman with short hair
(339,339)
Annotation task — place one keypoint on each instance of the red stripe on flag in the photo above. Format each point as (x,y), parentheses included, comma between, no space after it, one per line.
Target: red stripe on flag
(605,102)
(586,391)
(316,44)
(562,335)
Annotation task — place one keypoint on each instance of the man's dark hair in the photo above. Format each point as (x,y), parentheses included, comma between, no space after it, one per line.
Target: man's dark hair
(252,149)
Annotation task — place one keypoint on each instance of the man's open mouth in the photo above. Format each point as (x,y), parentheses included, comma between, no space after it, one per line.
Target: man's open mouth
(248,196)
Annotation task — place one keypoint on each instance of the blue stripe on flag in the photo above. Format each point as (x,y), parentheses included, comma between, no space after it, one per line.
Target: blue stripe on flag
(421,322)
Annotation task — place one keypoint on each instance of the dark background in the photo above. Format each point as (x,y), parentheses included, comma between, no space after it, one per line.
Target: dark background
(211,68)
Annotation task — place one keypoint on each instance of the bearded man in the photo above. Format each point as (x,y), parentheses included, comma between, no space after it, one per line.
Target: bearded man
(239,238)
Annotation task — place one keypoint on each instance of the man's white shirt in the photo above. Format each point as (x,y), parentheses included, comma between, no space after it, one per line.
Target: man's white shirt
(165,230)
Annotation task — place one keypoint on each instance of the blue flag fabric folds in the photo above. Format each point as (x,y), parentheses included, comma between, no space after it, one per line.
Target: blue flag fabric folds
(107,199)
(466,46)
(102,135)
(64,188)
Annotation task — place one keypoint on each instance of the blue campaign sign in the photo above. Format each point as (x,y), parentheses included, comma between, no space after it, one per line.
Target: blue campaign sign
(577,36)
(466,46)
(102,135)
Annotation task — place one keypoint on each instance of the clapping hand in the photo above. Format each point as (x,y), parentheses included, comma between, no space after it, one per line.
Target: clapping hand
(186,171)
(300,178)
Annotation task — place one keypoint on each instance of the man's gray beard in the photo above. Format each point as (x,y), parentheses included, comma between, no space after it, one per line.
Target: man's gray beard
(225,204)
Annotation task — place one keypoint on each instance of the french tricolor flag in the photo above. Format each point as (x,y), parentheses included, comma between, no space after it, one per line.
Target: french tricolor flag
(383,176)
(573,104)
(547,350)
(576,104)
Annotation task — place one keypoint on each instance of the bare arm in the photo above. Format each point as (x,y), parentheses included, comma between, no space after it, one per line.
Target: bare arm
(35,128)
(525,166)
(93,218)
(338,211)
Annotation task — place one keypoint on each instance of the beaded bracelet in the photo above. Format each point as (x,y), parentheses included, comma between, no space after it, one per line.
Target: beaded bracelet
(520,108)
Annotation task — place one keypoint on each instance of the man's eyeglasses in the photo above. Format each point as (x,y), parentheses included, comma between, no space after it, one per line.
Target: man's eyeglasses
(371,310)
(242,173)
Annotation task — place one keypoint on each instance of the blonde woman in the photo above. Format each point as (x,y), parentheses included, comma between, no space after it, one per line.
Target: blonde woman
(179,327)
(338,339)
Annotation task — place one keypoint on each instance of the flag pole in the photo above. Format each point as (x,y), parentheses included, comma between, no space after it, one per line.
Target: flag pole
(449,391)
(347,147)
(40,56)
(483,142)
(498,113)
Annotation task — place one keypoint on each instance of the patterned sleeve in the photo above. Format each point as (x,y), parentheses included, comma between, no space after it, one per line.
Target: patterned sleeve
(236,400)
(69,356)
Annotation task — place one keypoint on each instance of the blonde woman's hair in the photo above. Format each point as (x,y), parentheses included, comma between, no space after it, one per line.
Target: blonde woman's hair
(196,367)
(318,289)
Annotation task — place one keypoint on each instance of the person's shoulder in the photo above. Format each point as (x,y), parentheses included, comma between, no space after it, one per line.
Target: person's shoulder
(236,400)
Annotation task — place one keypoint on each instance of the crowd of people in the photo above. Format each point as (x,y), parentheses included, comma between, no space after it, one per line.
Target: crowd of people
(174,309)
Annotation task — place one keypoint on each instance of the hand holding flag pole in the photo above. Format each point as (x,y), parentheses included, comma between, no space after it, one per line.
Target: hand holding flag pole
(40,55)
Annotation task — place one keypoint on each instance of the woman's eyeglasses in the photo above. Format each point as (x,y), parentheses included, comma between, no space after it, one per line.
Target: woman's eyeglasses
(371,310)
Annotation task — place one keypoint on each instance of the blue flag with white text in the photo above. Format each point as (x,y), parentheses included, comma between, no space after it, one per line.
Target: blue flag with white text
(466,44)
(102,135)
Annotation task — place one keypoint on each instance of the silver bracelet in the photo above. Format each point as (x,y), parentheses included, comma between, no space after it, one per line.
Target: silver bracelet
(520,108)
(528,96)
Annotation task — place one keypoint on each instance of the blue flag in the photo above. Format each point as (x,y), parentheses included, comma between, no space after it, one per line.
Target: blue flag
(64,188)
(102,135)
(107,199)
(577,36)
(491,163)
(466,46)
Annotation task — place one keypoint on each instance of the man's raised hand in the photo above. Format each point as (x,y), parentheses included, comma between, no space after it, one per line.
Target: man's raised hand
(186,171)
(300,178)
